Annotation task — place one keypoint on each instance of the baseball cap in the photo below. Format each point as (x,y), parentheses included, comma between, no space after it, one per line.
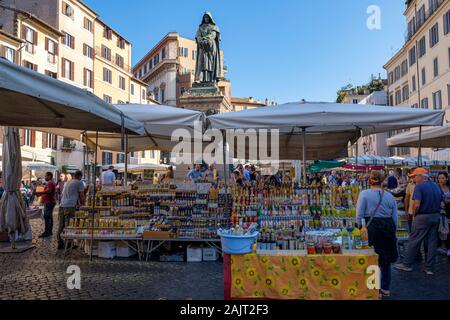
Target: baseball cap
(419,171)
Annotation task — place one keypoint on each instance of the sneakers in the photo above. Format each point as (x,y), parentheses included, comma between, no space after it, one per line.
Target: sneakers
(385,293)
(61,246)
(443,251)
(429,272)
(402,267)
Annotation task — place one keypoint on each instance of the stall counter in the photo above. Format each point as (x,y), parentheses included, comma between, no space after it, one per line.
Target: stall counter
(294,276)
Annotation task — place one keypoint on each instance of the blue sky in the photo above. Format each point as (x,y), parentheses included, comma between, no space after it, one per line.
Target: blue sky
(283,50)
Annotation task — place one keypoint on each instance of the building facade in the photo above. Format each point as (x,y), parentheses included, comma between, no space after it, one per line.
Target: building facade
(240,104)
(419,73)
(31,42)
(87,53)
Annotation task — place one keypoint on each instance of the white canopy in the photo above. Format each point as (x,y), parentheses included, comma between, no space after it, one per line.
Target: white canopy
(30,99)
(159,123)
(139,167)
(327,117)
(438,137)
(376,160)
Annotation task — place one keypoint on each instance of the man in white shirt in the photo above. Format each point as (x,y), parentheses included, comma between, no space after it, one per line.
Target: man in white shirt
(108,177)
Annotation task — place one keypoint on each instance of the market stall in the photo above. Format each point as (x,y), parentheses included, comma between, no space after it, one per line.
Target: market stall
(307,246)
(30,99)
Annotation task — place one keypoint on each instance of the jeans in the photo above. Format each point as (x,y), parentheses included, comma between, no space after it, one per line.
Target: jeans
(64,216)
(385,276)
(425,230)
(48,217)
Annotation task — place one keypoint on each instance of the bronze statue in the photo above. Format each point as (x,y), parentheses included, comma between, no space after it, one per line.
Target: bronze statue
(209,65)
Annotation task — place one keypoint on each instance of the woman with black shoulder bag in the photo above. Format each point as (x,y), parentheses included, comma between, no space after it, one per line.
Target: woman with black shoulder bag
(378,210)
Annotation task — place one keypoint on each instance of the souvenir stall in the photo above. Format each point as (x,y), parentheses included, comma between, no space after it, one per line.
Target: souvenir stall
(306,244)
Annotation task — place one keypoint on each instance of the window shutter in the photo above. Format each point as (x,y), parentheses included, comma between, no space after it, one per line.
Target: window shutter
(35,67)
(63,69)
(72,45)
(46,44)
(22,136)
(2,50)
(56,48)
(33,138)
(54,142)
(44,140)
(72,65)
(24,32)
(35,38)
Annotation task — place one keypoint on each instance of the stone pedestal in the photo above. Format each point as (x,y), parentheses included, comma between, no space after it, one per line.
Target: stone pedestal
(205,97)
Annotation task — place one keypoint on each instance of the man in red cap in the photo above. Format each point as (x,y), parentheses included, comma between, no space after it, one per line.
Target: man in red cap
(427,206)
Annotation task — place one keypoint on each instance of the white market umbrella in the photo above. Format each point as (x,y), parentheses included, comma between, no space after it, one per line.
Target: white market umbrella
(12,208)
(300,120)
(30,99)
(438,137)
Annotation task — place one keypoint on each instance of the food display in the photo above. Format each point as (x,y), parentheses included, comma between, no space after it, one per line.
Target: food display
(186,211)
(290,215)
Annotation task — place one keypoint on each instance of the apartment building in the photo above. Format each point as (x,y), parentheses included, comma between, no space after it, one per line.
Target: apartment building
(240,104)
(419,73)
(34,44)
(91,55)
(169,68)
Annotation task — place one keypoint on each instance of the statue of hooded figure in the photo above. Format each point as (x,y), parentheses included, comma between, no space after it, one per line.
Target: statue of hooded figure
(208,66)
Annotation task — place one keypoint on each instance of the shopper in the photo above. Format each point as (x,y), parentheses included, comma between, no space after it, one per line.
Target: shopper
(238,178)
(108,177)
(379,211)
(195,174)
(73,195)
(444,184)
(392,182)
(409,202)
(48,199)
(427,206)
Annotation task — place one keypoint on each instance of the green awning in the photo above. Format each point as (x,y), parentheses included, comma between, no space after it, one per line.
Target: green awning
(321,165)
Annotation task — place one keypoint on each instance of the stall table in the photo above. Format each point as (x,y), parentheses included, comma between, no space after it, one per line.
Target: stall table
(290,275)
(153,244)
(133,241)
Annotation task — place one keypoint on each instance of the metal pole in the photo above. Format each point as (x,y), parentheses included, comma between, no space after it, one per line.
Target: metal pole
(304,155)
(94,197)
(356,147)
(419,157)
(126,161)
(224,149)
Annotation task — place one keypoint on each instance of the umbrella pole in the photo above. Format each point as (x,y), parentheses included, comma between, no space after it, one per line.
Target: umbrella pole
(94,198)
(419,156)
(304,155)
(224,150)
(125,180)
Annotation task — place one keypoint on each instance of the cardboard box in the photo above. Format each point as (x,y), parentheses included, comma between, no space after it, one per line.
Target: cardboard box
(107,249)
(123,250)
(194,254)
(210,254)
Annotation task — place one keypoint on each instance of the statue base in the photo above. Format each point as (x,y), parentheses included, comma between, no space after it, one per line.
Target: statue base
(205,97)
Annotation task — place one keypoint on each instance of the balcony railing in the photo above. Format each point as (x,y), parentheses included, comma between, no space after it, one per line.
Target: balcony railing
(420,22)
(110,58)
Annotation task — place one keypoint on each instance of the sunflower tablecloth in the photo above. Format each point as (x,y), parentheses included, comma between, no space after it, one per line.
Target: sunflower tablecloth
(308,277)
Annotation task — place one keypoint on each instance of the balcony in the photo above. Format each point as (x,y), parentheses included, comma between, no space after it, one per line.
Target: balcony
(420,22)
(108,56)
(68,145)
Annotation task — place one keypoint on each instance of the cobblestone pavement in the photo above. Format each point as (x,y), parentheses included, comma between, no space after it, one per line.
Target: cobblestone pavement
(40,273)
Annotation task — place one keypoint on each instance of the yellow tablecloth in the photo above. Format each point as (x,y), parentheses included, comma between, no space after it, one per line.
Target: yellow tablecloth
(313,277)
